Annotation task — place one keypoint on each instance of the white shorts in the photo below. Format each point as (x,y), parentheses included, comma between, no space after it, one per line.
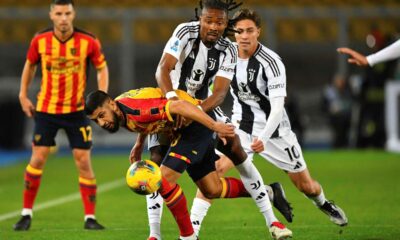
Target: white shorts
(283,152)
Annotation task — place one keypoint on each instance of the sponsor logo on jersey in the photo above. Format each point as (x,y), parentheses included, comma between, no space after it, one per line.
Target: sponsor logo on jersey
(276,86)
(175,46)
(226,69)
(244,93)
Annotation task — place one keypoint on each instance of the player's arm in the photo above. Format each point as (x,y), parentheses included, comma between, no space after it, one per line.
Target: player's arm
(28,74)
(220,89)
(137,149)
(191,112)
(164,68)
(103,78)
(274,118)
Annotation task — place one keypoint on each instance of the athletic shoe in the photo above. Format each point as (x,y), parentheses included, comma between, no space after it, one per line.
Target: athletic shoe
(152,238)
(92,224)
(278,231)
(335,213)
(23,224)
(280,202)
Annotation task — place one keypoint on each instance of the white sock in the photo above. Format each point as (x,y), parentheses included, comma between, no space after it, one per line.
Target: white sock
(318,200)
(198,212)
(89,216)
(27,211)
(254,185)
(191,237)
(154,212)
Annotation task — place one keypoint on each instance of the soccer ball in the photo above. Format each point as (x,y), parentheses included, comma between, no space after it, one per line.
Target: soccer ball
(144,177)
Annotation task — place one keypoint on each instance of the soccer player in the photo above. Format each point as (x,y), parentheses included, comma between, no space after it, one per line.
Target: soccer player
(147,111)
(198,54)
(259,90)
(390,52)
(63,52)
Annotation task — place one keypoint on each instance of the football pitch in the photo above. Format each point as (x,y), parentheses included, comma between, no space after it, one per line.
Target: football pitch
(366,184)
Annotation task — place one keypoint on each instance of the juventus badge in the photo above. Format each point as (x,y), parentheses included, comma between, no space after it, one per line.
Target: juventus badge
(251,73)
(211,63)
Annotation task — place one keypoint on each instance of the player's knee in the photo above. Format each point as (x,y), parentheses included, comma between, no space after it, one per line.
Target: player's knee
(307,188)
(212,193)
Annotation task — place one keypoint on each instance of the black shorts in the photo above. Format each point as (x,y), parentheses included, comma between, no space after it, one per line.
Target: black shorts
(193,151)
(76,126)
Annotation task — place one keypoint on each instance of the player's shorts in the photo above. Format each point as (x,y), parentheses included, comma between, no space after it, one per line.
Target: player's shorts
(284,152)
(76,126)
(193,150)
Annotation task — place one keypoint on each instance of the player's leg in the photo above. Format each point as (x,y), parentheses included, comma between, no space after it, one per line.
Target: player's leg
(79,132)
(44,132)
(285,153)
(174,197)
(158,145)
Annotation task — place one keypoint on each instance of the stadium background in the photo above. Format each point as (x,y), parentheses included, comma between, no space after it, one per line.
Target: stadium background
(305,33)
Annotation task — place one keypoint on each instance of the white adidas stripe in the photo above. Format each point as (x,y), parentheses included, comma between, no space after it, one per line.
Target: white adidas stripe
(68,198)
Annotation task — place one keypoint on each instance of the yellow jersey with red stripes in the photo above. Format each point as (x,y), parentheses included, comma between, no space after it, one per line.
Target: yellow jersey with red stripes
(146,110)
(64,68)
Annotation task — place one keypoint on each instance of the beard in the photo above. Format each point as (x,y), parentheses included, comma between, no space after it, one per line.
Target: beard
(115,127)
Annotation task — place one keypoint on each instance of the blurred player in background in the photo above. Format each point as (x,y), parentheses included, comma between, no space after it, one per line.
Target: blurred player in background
(197,55)
(63,52)
(147,111)
(259,91)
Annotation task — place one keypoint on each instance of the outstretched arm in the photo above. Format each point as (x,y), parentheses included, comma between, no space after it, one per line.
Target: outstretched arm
(164,68)
(190,111)
(221,87)
(355,57)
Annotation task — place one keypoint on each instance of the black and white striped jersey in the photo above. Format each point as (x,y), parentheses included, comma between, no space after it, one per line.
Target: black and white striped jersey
(257,79)
(198,65)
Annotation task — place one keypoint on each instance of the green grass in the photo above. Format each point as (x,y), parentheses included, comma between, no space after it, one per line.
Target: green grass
(364,183)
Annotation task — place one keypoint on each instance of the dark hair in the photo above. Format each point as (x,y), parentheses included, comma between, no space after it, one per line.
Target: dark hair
(62,2)
(224,5)
(249,14)
(94,100)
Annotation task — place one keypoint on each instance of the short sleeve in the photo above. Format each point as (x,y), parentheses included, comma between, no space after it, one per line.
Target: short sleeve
(96,54)
(179,39)
(227,68)
(33,55)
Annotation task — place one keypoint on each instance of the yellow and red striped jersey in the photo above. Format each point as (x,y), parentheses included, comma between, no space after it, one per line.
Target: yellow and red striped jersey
(64,68)
(146,110)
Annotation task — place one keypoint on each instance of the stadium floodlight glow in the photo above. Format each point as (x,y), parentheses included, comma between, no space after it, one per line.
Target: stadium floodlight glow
(392,109)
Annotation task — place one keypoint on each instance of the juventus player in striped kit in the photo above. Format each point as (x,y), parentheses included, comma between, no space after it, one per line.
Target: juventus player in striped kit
(64,52)
(196,56)
(259,91)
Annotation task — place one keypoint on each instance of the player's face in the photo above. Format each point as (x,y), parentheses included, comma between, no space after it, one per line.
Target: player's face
(106,117)
(247,35)
(212,25)
(62,17)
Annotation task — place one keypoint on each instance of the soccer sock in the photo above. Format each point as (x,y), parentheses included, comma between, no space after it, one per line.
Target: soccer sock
(32,179)
(176,202)
(254,185)
(318,200)
(88,188)
(154,213)
(232,188)
(198,212)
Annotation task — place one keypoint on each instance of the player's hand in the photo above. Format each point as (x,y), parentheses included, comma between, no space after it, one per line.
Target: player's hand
(179,122)
(224,130)
(136,153)
(27,106)
(355,57)
(257,145)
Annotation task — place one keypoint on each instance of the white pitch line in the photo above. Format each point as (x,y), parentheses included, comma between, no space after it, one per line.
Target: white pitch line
(68,198)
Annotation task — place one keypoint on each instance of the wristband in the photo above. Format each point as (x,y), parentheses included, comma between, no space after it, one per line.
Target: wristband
(170,94)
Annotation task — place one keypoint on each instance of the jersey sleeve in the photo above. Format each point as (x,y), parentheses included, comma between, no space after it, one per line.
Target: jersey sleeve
(228,64)
(96,54)
(33,55)
(276,75)
(178,40)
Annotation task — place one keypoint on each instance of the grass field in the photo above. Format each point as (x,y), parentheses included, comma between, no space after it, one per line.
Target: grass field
(366,184)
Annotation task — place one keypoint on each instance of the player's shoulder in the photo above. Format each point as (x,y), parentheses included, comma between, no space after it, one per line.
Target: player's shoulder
(187,29)
(224,43)
(84,34)
(43,33)
(267,56)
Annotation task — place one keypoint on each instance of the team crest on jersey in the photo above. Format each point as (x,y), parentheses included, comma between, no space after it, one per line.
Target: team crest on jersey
(37,137)
(251,73)
(73,51)
(175,46)
(244,93)
(211,63)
